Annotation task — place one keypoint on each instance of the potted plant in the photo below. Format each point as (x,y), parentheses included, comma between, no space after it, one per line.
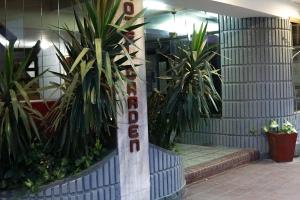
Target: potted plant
(282,141)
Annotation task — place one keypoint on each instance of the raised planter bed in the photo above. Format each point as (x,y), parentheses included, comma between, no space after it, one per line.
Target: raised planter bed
(101,181)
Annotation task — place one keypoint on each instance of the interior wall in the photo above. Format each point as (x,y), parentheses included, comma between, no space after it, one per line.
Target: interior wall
(32,20)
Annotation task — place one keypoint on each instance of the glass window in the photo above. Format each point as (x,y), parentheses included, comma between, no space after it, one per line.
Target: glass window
(26,22)
(166,29)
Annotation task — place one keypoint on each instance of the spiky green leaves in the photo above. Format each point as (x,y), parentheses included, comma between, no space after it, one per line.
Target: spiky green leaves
(93,78)
(17,126)
(190,93)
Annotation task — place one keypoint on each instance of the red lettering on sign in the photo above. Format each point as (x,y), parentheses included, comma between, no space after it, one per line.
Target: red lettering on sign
(131,89)
(132,102)
(130,73)
(133,117)
(130,35)
(133,131)
(129,8)
(135,142)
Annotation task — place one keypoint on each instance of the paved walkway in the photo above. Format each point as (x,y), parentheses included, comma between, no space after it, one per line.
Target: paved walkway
(194,154)
(263,180)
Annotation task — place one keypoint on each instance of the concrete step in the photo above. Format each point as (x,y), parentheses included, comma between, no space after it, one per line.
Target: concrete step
(219,165)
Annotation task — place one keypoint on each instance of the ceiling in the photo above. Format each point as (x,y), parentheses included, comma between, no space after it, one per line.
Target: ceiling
(29,5)
(163,16)
(240,8)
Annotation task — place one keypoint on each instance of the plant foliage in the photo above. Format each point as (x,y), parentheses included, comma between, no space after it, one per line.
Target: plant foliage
(43,168)
(96,57)
(286,128)
(17,117)
(190,94)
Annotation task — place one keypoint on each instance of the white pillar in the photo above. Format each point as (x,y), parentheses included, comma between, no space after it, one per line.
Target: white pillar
(133,143)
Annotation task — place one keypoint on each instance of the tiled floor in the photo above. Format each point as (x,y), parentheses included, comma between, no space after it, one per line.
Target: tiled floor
(194,155)
(263,180)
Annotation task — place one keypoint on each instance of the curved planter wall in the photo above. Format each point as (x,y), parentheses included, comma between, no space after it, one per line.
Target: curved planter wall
(101,182)
(166,173)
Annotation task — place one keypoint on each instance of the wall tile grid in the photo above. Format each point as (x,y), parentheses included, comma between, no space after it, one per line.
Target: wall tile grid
(48,61)
(29,21)
(102,181)
(257,83)
(167,173)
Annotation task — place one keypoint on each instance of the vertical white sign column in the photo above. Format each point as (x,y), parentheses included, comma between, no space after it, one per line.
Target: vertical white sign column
(133,143)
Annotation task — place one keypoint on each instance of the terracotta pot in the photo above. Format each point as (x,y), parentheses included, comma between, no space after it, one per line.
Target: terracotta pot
(282,146)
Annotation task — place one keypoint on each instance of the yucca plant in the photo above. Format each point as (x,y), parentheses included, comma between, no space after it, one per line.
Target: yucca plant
(86,111)
(17,117)
(190,94)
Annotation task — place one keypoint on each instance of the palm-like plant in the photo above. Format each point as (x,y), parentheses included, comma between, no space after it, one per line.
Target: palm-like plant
(190,93)
(97,56)
(17,124)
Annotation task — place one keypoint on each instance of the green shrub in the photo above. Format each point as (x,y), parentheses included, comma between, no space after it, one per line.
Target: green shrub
(17,117)
(43,168)
(83,120)
(97,55)
(190,94)
(286,128)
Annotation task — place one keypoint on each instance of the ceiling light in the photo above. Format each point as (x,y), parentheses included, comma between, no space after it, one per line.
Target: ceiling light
(45,44)
(203,14)
(212,15)
(155,5)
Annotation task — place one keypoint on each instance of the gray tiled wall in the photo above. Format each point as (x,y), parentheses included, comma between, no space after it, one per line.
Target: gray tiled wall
(166,173)
(99,182)
(257,82)
(102,181)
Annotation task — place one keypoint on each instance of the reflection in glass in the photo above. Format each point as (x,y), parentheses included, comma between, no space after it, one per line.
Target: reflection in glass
(26,21)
